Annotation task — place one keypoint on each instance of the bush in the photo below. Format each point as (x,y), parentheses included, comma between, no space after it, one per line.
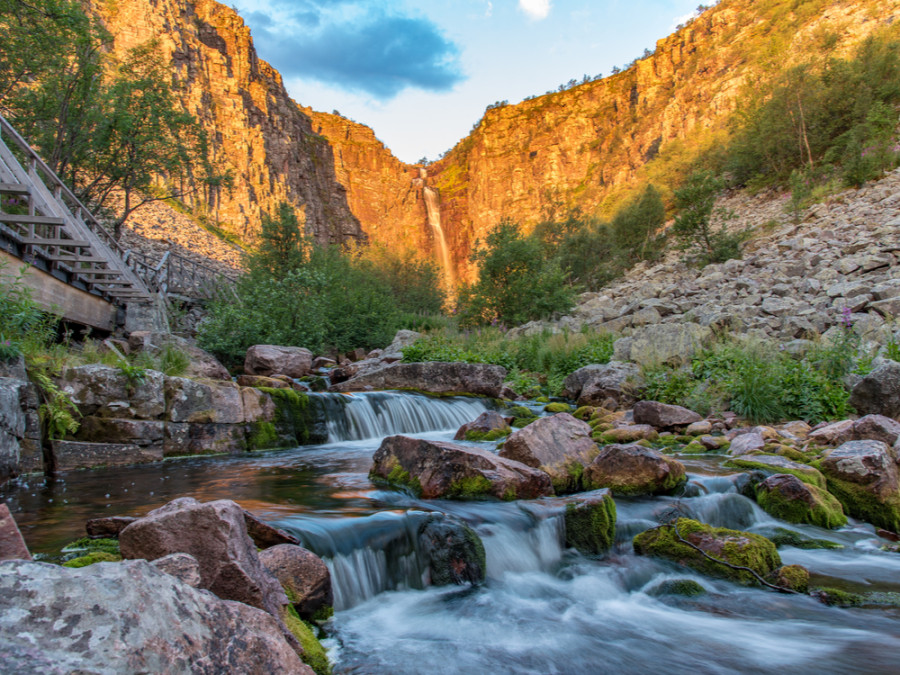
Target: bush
(635,226)
(696,201)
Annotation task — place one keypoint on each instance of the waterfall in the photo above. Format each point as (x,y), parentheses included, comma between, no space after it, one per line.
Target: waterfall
(433,209)
(378,414)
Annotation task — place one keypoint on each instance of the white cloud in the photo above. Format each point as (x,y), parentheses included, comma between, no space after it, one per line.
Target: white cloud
(536,9)
(489,12)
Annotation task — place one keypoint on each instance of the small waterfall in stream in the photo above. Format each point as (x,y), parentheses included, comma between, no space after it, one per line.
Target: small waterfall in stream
(377,414)
(433,209)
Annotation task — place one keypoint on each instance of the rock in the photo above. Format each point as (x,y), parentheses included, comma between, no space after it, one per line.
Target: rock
(201,364)
(746,444)
(876,428)
(199,438)
(12,426)
(262,381)
(559,445)
(576,380)
(434,377)
(833,434)
(662,415)
(488,426)
(258,406)
(787,497)
(633,470)
(264,535)
(878,393)
(612,386)
(435,469)
(227,402)
(270,359)
(13,368)
(713,442)
(182,566)
(591,523)
(701,428)
(403,338)
(863,475)
(774,464)
(454,551)
(671,344)
(743,549)
(12,545)
(303,575)
(214,533)
(107,528)
(71,455)
(685,587)
(188,401)
(105,391)
(321,362)
(130,617)
(143,433)
(794,577)
(629,434)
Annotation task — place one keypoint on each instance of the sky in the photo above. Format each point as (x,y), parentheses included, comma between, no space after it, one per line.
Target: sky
(421,73)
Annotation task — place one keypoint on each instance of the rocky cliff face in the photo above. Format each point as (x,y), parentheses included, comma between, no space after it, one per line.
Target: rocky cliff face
(255,128)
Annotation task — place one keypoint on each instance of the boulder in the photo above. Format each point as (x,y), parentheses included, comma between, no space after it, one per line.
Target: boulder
(201,364)
(488,426)
(742,549)
(614,385)
(745,444)
(303,575)
(634,470)
(591,523)
(453,550)
(833,434)
(701,428)
(403,338)
(433,377)
(773,464)
(105,391)
(182,566)
(559,445)
(434,469)
(262,381)
(215,533)
(863,476)
(629,434)
(107,528)
(670,344)
(876,428)
(227,402)
(878,393)
(72,455)
(264,535)
(258,405)
(188,401)
(663,415)
(787,497)
(203,438)
(271,359)
(130,617)
(12,545)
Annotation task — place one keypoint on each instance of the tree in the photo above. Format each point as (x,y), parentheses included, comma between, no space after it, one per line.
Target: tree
(636,224)
(282,244)
(696,200)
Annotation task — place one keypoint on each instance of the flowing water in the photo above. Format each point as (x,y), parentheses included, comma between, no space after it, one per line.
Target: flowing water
(543,609)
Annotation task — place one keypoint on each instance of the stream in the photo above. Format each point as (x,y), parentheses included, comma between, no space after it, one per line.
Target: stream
(544,608)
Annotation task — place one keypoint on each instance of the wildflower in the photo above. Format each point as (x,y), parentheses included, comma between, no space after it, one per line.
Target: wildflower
(847,317)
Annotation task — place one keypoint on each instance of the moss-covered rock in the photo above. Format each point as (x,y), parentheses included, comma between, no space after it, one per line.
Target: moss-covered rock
(488,426)
(685,587)
(634,470)
(738,548)
(557,408)
(454,551)
(584,413)
(91,558)
(591,524)
(773,464)
(794,577)
(295,418)
(492,435)
(694,448)
(313,652)
(787,497)
(783,537)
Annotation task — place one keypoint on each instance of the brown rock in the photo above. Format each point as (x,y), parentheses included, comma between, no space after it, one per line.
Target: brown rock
(877,428)
(12,545)
(633,469)
(630,433)
(262,381)
(109,527)
(271,359)
(434,377)
(182,566)
(614,385)
(663,415)
(302,574)
(833,434)
(485,423)
(744,444)
(264,535)
(436,469)
(214,533)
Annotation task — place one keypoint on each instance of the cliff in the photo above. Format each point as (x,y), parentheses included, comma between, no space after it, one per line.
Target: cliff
(256,130)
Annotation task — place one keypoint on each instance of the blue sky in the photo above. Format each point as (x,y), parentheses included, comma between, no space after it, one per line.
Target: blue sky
(421,73)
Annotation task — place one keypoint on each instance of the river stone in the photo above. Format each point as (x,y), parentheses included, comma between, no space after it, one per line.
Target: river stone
(12,545)
(182,566)
(129,617)
(738,548)
(559,445)
(433,377)
(863,475)
(106,391)
(489,425)
(634,470)
(878,393)
(201,364)
(787,497)
(591,522)
(614,385)
(454,551)
(745,444)
(271,359)
(108,527)
(303,575)
(663,415)
(436,469)
(215,533)
(262,381)
(629,434)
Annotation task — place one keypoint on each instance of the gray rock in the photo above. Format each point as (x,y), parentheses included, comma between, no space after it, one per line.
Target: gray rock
(673,344)
(12,426)
(433,377)
(662,415)
(302,574)
(454,551)
(105,391)
(201,364)
(614,385)
(129,617)
(745,444)
(879,392)
(108,527)
(71,455)
(272,359)
(188,401)
(182,566)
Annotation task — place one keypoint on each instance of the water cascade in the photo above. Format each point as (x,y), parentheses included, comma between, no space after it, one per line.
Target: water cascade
(433,209)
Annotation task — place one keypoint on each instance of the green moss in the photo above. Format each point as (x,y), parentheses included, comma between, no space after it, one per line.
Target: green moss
(584,413)
(470,487)
(737,548)
(542,399)
(835,597)
(322,614)
(262,436)
(313,653)
(91,558)
(794,577)
(491,435)
(686,587)
(557,408)
(400,478)
(825,512)
(591,525)
(783,537)
(294,417)
(90,545)
(520,422)
(510,494)
(693,448)
(860,503)
(520,411)
(809,475)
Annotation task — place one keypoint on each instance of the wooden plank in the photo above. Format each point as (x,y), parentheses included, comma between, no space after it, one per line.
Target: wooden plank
(14,189)
(31,220)
(59,257)
(68,243)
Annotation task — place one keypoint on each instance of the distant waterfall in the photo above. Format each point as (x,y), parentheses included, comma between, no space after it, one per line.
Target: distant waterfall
(433,209)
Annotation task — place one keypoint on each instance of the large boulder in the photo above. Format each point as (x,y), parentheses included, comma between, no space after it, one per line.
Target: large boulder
(201,364)
(746,444)
(869,427)
(434,377)
(614,385)
(634,470)
(559,445)
(453,550)
(215,533)
(265,535)
(488,426)
(663,415)
(863,475)
(774,464)
(878,393)
(591,523)
(787,497)
(272,359)
(188,401)
(303,575)
(129,617)
(657,344)
(12,545)
(434,469)
(742,549)
(105,391)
